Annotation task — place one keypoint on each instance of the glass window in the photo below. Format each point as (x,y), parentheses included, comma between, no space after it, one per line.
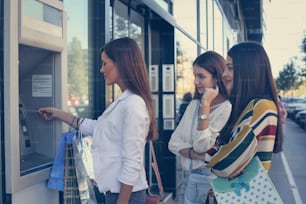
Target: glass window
(218,26)
(121,28)
(136,29)
(210,25)
(186,15)
(78,61)
(43,12)
(230,36)
(203,22)
(186,52)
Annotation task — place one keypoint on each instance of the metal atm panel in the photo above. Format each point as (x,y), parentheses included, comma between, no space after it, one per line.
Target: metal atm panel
(36,89)
(35,70)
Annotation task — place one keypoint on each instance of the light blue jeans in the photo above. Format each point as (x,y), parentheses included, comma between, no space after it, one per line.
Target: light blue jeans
(198,185)
(181,194)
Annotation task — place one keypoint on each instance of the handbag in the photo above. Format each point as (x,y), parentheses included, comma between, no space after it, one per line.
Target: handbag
(253,186)
(150,197)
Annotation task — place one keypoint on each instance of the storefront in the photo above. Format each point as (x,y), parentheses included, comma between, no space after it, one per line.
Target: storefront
(52,58)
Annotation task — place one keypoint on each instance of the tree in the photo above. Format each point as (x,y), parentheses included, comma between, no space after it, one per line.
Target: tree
(303,49)
(289,78)
(303,46)
(77,69)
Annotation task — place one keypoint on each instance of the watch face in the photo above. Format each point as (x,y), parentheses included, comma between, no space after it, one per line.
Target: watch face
(203,117)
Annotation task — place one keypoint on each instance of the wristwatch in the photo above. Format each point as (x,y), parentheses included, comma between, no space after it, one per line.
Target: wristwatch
(202,117)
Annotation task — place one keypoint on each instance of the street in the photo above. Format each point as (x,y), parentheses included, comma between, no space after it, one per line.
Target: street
(288,168)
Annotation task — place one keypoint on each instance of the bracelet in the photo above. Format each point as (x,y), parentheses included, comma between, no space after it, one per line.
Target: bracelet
(189,152)
(77,123)
(72,121)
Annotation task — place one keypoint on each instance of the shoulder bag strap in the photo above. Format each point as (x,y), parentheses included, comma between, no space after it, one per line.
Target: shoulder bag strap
(156,170)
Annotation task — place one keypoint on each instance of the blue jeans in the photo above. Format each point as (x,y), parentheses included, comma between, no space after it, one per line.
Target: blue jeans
(181,194)
(136,197)
(198,186)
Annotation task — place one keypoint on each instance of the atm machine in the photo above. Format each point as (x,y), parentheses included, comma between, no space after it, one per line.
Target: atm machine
(36,76)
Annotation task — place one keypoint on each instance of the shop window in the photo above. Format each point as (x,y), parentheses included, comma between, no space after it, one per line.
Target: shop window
(186,19)
(78,59)
(186,52)
(218,26)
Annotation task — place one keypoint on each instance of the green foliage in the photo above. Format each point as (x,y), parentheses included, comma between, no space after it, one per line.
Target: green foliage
(289,78)
(77,69)
(303,46)
(303,49)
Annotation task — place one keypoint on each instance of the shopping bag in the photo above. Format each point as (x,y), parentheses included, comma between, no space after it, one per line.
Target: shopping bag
(84,168)
(56,178)
(253,186)
(71,187)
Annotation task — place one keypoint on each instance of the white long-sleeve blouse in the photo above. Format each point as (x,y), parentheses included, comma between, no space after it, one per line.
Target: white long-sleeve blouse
(119,138)
(186,134)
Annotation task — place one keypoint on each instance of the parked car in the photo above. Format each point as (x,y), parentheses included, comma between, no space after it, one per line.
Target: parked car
(300,118)
(296,110)
(294,103)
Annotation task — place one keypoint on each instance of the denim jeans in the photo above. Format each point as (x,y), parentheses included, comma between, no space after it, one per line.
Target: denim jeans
(136,197)
(198,186)
(181,195)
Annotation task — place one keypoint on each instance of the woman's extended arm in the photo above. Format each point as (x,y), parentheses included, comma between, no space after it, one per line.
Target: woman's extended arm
(50,113)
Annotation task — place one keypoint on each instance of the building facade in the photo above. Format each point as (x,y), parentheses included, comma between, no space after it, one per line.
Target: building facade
(50,54)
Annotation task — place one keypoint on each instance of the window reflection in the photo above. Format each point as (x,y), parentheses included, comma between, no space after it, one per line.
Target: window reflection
(218,26)
(136,29)
(203,22)
(123,28)
(186,52)
(77,35)
(184,17)
(210,25)
(120,20)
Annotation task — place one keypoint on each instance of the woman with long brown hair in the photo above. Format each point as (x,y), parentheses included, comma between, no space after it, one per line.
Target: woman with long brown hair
(120,133)
(254,127)
(204,118)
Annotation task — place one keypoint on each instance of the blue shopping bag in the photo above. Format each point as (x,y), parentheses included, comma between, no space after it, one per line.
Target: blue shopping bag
(56,178)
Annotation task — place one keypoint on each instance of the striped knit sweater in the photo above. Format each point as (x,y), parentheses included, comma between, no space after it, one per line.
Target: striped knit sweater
(253,133)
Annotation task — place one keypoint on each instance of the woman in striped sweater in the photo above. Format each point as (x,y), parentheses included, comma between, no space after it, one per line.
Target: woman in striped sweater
(253,127)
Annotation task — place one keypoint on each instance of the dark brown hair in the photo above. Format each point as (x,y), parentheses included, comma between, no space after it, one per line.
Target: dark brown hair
(214,63)
(252,79)
(127,56)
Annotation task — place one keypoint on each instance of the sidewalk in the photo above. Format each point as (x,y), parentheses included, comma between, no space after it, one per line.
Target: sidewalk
(168,199)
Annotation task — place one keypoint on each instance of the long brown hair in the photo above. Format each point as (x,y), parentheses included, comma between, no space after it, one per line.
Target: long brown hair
(127,56)
(214,63)
(252,79)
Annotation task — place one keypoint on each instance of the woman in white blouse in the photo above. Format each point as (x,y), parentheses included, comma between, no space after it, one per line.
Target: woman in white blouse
(120,133)
(205,116)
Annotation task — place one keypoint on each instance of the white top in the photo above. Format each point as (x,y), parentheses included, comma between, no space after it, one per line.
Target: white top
(119,138)
(202,140)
